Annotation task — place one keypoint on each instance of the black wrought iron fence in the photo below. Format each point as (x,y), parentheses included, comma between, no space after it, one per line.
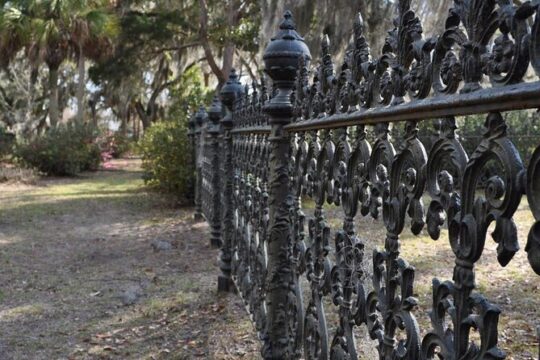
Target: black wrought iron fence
(267,151)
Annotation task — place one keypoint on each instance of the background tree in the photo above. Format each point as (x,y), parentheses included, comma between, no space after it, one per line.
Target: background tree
(23,100)
(336,18)
(94,27)
(48,30)
(229,30)
(150,55)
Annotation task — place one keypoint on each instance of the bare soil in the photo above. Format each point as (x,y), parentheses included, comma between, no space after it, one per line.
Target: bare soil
(74,253)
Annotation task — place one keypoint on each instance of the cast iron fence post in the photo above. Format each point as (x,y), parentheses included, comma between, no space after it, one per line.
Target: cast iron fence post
(201,118)
(281,59)
(229,93)
(215,113)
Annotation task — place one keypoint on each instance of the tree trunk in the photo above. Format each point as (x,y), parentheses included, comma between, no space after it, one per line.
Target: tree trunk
(336,18)
(94,116)
(81,87)
(228,51)
(145,121)
(124,121)
(54,114)
(134,128)
(146,118)
(30,102)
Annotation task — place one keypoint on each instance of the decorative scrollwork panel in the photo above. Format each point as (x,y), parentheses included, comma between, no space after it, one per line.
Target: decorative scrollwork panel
(346,140)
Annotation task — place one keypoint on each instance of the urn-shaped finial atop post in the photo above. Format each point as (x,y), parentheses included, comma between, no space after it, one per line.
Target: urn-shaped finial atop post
(231,90)
(229,93)
(282,53)
(215,111)
(201,117)
(282,61)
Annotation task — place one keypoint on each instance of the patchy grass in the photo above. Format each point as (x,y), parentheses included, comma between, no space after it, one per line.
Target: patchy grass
(69,248)
(21,312)
(14,174)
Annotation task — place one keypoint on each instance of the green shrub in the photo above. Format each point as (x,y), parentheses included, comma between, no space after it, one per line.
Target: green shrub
(63,151)
(165,147)
(167,159)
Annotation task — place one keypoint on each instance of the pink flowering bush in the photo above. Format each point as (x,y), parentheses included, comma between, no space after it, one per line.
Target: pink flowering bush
(114,144)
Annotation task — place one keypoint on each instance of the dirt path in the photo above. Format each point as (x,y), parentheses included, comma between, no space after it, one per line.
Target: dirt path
(80,277)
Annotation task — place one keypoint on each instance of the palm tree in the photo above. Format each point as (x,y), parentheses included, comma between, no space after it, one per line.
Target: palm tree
(49,30)
(15,34)
(93,27)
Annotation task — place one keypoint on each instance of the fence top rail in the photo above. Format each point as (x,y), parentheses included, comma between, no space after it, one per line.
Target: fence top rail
(263,130)
(487,59)
(514,97)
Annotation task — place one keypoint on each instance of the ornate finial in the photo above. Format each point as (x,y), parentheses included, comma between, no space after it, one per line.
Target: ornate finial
(325,49)
(328,65)
(233,77)
(282,53)
(325,44)
(201,116)
(215,110)
(361,47)
(288,21)
(327,68)
(358,25)
(231,90)
(301,79)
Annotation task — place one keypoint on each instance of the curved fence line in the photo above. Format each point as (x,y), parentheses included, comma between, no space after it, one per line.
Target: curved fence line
(263,150)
